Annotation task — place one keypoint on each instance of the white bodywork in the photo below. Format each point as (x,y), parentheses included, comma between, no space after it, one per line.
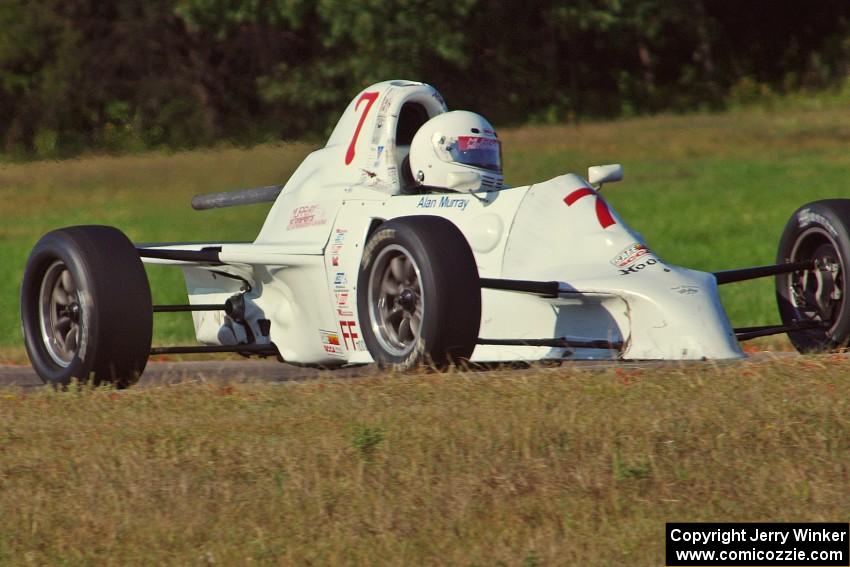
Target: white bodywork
(302,268)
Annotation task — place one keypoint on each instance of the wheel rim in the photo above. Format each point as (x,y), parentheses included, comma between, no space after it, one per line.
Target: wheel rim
(60,314)
(817,294)
(396,303)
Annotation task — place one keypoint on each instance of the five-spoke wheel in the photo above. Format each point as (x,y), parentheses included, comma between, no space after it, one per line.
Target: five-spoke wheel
(418,293)
(396,299)
(86,307)
(60,314)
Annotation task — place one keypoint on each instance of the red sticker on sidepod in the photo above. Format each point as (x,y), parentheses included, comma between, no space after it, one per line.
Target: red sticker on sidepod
(306,215)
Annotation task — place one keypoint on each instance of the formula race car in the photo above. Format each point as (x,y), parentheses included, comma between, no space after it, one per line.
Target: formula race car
(398,243)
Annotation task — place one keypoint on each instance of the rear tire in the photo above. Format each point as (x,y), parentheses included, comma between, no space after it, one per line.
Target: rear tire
(819,231)
(418,294)
(86,307)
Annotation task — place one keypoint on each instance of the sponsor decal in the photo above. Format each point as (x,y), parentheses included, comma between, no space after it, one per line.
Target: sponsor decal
(392,175)
(385,104)
(806,217)
(630,255)
(685,289)
(343,307)
(638,267)
(465,143)
(603,213)
(378,154)
(444,202)
(380,119)
(336,246)
(350,335)
(340,280)
(331,343)
(305,216)
(439,98)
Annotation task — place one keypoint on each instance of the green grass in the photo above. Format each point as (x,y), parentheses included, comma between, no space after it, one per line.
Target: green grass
(709,191)
(562,466)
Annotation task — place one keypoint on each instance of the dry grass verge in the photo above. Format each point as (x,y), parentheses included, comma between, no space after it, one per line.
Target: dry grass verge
(543,467)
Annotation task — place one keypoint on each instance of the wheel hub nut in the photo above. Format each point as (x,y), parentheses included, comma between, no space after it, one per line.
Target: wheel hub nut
(74,312)
(407,300)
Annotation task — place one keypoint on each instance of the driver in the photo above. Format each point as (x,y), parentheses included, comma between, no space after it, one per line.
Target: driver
(458,151)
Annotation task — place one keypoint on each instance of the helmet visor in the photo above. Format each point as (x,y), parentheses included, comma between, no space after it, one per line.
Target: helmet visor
(478,151)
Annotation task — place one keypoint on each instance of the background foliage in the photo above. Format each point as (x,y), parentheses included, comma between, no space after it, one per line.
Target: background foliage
(135,74)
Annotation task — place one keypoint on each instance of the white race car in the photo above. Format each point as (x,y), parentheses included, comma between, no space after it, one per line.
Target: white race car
(397,243)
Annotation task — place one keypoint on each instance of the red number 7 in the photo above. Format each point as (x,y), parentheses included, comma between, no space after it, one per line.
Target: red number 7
(370,98)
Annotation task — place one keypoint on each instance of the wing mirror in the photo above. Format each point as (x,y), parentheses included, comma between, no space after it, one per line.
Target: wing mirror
(599,174)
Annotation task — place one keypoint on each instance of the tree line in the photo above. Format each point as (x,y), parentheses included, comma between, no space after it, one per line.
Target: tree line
(124,75)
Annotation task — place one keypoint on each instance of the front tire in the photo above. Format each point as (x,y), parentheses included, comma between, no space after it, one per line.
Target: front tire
(418,294)
(818,231)
(86,307)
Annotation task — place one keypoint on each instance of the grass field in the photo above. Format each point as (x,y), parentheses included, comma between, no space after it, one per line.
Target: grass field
(709,191)
(549,467)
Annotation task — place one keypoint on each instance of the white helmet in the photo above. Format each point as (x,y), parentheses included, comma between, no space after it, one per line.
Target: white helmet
(457,150)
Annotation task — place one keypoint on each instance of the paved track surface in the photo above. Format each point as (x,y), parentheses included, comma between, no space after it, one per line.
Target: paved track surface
(160,373)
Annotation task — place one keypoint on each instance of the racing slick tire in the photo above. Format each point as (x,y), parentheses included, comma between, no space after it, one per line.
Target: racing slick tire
(821,231)
(86,307)
(418,294)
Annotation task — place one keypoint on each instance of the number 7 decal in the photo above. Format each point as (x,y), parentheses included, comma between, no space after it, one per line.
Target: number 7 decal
(603,213)
(370,98)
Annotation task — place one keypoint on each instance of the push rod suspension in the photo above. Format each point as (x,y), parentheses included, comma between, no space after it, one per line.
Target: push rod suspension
(268,350)
(546,289)
(747,333)
(561,342)
(730,276)
(179,308)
